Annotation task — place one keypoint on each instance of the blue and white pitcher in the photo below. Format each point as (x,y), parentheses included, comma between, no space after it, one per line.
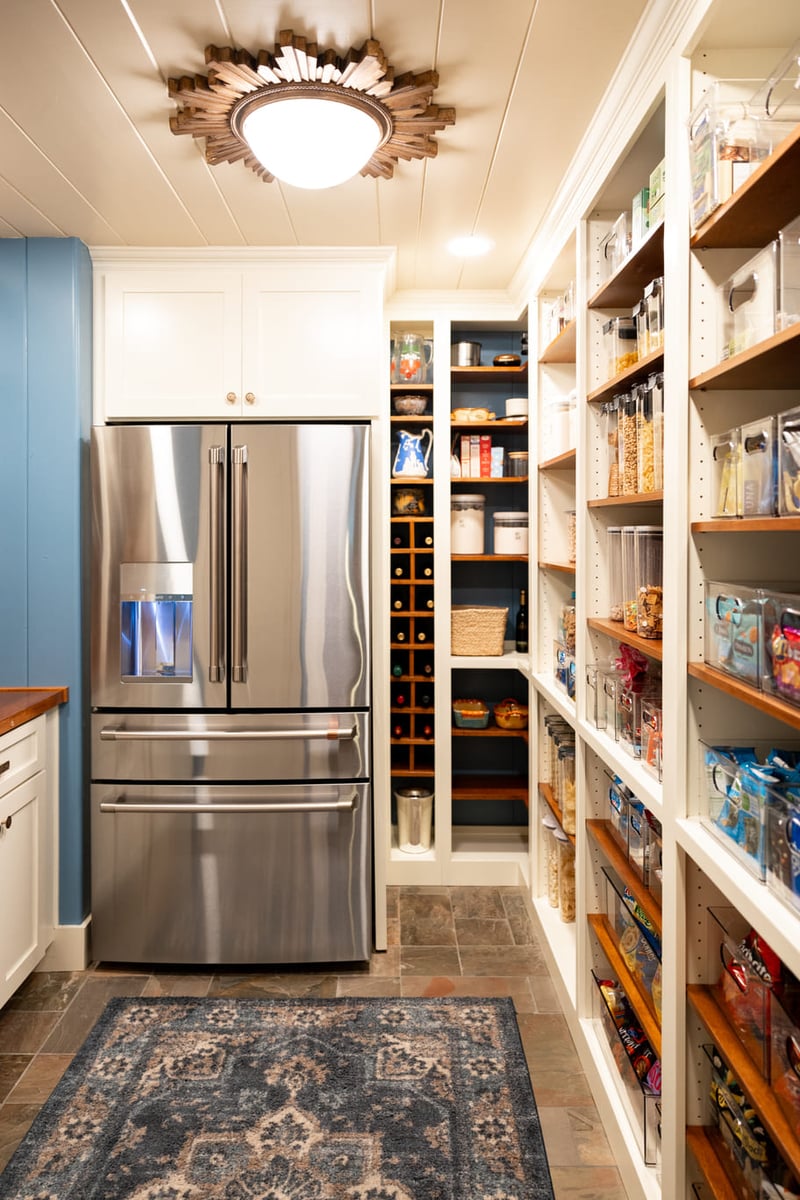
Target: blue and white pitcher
(411,460)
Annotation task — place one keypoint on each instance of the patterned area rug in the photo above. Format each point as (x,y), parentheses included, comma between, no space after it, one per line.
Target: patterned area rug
(352,1099)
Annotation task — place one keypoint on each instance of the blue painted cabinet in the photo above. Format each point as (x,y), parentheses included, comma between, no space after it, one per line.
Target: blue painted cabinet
(45,403)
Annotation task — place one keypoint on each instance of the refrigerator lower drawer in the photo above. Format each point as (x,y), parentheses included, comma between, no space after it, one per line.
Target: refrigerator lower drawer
(230,746)
(246,874)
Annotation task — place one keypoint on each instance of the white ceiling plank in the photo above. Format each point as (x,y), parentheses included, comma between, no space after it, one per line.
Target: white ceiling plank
(18,214)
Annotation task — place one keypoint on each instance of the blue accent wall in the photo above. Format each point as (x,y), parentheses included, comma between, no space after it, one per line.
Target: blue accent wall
(45,391)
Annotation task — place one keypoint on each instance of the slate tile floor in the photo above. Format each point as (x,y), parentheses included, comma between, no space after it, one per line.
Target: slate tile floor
(443,941)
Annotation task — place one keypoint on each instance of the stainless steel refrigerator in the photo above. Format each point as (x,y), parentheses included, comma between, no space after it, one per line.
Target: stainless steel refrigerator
(231,810)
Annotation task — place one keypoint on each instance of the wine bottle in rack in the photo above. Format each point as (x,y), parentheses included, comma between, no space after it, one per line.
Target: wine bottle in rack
(425,698)
(400,536)
(400,630)
(401,566)
(399,665)
(399,697)
(423,630)
(400,599)
(423,600)
(423,567)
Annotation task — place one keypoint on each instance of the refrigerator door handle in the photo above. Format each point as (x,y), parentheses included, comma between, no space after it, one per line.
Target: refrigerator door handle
(332,732)
(332,802)
(216,460)
(239,566)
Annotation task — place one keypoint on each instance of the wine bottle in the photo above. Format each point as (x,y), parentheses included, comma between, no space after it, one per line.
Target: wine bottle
(397,669)
(399,700)
(425,700)
(427,731)
(521,634)
(398,603)
(399,572)
(429,540)
(427,669)
(398,731)
(429,603)
(427,572)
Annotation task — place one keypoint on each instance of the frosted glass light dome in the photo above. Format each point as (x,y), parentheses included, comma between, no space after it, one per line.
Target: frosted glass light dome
(313,136)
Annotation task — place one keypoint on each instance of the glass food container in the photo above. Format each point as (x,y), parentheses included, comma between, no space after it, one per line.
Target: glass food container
(614,559)
(649,585)
(629,578)
(466,523)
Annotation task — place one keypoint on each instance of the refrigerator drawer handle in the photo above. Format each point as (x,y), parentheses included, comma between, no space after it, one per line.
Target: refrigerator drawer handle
(332,733)
(339,804)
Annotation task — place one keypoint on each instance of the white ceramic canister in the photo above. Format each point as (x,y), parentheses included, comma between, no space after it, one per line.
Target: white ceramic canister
(511,533)
(466,523)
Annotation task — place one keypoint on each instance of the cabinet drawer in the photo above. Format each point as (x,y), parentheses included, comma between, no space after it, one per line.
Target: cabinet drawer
(22,754)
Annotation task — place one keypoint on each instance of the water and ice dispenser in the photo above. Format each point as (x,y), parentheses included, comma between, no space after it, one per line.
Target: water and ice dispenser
(155,621)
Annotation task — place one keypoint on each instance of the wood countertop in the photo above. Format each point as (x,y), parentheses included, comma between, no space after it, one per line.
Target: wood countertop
(18,705)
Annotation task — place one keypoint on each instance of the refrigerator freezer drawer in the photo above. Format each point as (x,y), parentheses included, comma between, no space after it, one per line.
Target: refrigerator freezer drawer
(258,874)
(195,747)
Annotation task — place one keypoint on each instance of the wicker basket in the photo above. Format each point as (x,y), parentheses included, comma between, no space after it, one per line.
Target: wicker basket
(476,630)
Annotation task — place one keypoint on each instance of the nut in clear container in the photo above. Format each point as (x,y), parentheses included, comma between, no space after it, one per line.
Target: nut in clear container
(650,431)
(649,585)
(610,421)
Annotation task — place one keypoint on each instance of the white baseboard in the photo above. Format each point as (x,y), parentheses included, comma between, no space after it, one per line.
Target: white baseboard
(69,949)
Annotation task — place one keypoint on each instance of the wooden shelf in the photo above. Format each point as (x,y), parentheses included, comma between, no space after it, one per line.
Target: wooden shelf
(760,208)
(757,1089)
(564,568)
(490,787)
(461,374)
(705,1155)
(561,462)
(562,347)
(614,629)
(407,773)
(546,793)
(489,558)
(482,479)
(600,831)
(634,498)
(625,287)
(634,374)
(491,731)
(422,419)
(769,364)
(409,481)
(503,423)
(422,389)
(641,1002)
(748,525)
(764,701)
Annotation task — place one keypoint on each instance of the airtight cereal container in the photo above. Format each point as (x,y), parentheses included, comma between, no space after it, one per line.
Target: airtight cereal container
(649,585)
(619,340)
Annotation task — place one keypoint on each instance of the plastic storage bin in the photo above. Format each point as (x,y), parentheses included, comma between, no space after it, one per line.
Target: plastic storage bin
(637,941)
(609,417)
(615,246)
(789,275)
(748,303)
(649,581)
(726,479)
(740,992)
(736,799)
(651,736)
(759,468)
(566,877)
(782,840)
(629,580)
(650,434)
(628,443)
(733,630)
(789,462)
(726,143)
(785,1059)
(781,626)
(614,560)
(550,825)
(566,789)
(618,799)
(654,314)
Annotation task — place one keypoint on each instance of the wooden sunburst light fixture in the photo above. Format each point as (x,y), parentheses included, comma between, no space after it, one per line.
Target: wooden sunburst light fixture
(307,116)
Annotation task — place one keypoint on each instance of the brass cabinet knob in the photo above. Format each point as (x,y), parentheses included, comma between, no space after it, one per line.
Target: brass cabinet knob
(231,397)
(249,398)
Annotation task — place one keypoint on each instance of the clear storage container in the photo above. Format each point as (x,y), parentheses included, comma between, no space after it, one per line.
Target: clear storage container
(740,992)
(726,474)
(649,581)
(726,143)
(629,442)
(566,877)
(650,435)
(639,315)
(614,560)
(654,310)
(781,652)
(619,340)
(467,523)
(629,579)
(566,624)
(571,534)
(615,246)
(748,303)
(789,275)
(789,462)
(596,712)
(610,421)
(734,630)
(566,771)
(550,825)
(651,736)
(759,468)
(511,533)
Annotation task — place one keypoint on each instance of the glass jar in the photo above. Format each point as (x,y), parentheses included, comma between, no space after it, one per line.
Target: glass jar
(629,578)
(566,877)
(614,561)
(649,581)
(466,523)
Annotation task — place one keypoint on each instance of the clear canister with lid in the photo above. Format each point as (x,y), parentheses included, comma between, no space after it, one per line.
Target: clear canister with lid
(628,443)
(619,339)
(650,434)
(614,560)
(566,771)
(511,533)
(567,624)
(566,877)
(549,827)
(640,320)
(467,523)
(572,533)
(610,422)
(649,577)
(654,306)
(517,463)
(629,578)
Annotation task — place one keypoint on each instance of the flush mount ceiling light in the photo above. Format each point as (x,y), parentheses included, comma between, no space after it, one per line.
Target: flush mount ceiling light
(308,116)
(470,246)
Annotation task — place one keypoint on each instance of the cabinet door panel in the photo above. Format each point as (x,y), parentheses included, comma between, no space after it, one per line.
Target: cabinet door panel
(172,345)
(19,881)
(311,346)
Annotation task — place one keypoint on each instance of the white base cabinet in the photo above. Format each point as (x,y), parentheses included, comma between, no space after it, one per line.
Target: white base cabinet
(27,852)
(259,337)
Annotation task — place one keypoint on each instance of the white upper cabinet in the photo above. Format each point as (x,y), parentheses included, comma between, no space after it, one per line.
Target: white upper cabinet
(218,339)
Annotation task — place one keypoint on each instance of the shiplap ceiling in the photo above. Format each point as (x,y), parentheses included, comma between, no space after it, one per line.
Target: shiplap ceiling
(86,149)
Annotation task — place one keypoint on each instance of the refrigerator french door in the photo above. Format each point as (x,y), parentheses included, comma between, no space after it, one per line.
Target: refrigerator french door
(230,684)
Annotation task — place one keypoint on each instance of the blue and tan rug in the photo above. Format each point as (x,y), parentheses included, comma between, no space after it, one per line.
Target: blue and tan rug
(350,1099)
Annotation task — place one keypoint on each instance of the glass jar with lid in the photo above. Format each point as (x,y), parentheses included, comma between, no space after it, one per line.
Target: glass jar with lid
(649,576)
(566,769)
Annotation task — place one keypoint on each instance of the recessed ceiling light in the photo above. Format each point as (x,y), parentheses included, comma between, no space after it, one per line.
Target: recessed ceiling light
(470,247)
